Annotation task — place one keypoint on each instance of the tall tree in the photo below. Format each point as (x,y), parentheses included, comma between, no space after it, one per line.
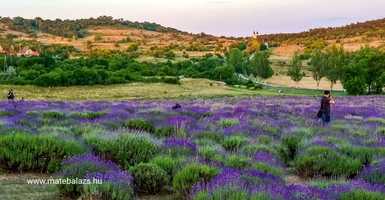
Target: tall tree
(236,59)
(334,62)
(317,65)
(259,65)
(295,69)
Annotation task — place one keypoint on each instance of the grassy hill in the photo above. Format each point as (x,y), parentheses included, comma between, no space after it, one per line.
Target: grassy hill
(106,33)
(352,37)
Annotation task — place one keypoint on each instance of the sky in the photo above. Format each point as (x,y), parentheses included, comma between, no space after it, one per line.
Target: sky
(217,17)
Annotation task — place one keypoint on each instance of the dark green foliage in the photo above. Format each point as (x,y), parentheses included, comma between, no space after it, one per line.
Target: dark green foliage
(234,143)
(361,195)
(169,164)
(149,178)
(6,113)
(165,131)
(210,153)
(127,150)
(260,65)
(139,124)
(296,69)
(191,174)
(53,115)
(213,136)
(321,161)
(363,154)
(89,115)
(365,73)
(289,148)
(317,65)
(76,28)
(22,152)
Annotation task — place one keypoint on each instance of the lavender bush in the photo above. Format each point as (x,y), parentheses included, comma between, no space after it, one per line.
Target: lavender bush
(258,147)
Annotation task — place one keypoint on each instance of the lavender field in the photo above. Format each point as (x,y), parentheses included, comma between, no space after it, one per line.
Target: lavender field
(260,148)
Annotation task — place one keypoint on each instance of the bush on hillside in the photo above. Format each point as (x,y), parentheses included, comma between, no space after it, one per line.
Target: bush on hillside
(321,161)
(149,178)
(22,152)
(192,174)
(127,150)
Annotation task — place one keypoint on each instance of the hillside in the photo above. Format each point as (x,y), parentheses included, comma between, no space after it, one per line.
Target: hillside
(157,41)
(106,33)
(352,37)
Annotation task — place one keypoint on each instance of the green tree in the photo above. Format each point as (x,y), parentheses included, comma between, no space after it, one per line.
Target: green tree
(334,62)
(295,69)
(317,65)
(236,59)
(365,72)
(260,65)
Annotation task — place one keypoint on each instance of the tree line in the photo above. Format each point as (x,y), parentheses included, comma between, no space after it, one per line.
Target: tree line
(361,72)
(54,67)
(75,28)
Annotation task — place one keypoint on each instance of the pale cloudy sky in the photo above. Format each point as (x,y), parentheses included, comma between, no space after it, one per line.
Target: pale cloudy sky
(218,17)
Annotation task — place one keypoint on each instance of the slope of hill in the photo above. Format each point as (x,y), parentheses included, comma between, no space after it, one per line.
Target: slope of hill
(105,33)
(352,37)
(374,28)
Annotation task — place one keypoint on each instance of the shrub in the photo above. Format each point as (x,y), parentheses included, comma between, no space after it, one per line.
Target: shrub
(376,120)
(289,148)
(375,173)
(381,131)
(140,124)
(210,153)
(169,164)
(264,139)
(108,190)
(361,195)
(149,178)
(79,169)
(363,154)
(89,115)
(115,183)
(179,146)
(54,115)
(165,131)
(6,113)
(127,150)
(23,152)
(226,123)
(236,161)
(192,174)
(213,136)
(263,167)
(251,149)
(321,161)
(229,194)
(234,143)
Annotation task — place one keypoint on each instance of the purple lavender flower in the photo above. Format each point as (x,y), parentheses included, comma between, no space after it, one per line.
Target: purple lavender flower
(268,158)
(184,143)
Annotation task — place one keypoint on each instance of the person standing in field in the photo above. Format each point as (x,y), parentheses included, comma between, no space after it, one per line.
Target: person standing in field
(324,112)
(11,95)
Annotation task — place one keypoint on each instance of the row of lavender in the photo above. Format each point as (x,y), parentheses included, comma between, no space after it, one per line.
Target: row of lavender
(228,148)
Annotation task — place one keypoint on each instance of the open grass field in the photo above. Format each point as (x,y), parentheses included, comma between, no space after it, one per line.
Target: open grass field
(189,88)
